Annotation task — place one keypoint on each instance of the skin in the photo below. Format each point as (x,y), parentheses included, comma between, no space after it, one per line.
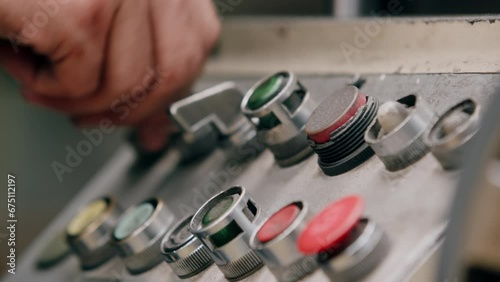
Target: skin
(122,60)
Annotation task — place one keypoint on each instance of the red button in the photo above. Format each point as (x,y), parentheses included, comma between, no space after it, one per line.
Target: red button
(324,135)
(331,226)
(277,223)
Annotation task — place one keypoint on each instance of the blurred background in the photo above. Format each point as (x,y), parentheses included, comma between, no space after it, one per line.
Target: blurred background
(33,138)
(363,7)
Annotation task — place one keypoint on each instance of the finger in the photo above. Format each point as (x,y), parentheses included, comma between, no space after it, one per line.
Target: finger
(20,29)
(153,134)
(19,65)
(72,38)
(129,58)
(124,114)
(74,73)
(191,44)
(171,40)
(78,37)
(124,79)
(99,102)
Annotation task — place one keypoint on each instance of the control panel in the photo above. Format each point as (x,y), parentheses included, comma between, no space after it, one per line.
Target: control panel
(284,178)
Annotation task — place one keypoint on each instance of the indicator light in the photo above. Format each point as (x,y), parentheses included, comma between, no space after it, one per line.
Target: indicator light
(266,91)
(224,224)
(86,217)
(396,136)
(184,253)
(336,129)
(279,106)
(89,232)
(275,241)
(278,223)
(347,246)
(133,220)
(139,233)
(451,134)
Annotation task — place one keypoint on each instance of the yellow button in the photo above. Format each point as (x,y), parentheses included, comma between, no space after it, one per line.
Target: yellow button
(88,215)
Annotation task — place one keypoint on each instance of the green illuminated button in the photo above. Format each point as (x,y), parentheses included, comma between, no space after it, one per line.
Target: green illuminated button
(133,220)
(225,235)
(266,91)
(217,210)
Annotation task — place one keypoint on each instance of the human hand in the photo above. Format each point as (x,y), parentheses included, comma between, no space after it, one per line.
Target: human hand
(118,60)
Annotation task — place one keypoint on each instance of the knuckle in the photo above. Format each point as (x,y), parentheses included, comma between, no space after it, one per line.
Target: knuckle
(92,16)
(39,43)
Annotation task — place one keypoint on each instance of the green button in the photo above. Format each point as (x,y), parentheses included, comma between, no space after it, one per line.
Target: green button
(133,220)
(266,91)
(217,210)
(231,231)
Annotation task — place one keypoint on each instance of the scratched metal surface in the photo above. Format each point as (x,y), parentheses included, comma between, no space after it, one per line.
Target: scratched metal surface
(410,205)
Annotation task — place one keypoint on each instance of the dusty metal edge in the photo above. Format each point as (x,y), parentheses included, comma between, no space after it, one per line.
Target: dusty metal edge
(396,45)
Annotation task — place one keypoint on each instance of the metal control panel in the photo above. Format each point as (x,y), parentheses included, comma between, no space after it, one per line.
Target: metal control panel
(406,208)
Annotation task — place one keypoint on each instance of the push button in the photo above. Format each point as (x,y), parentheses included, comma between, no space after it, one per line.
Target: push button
(336,129)
(346,245)
(217,210)
(331,227)
(275,241)
(279,105)
(266,91)
(89,232)
(138,235)
(397,134)
(278,223)
(224,224)
(183,252)
(451,134)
